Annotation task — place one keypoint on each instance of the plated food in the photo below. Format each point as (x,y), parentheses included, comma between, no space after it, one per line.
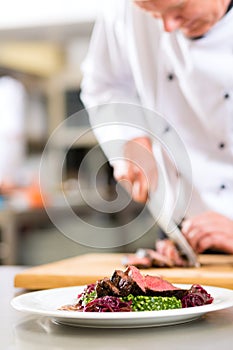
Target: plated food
(48,303)
(130,291)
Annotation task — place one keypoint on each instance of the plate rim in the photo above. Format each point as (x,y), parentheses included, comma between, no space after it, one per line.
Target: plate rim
(18,304)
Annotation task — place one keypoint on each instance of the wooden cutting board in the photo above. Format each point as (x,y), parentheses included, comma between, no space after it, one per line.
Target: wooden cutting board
(215,270)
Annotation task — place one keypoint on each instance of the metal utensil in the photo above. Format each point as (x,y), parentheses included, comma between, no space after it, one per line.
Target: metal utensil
(171,229)
(178,238)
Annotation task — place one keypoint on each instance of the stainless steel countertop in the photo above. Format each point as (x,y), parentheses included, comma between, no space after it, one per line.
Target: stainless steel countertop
(30,332)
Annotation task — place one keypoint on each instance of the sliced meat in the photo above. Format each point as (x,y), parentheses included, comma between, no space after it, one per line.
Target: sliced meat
(178,293)
(156,286)
(138,279)
(131,281)
(157,283)
(165,254)
(117,276)
(158,259)
(168,249)
(153,285)
(126,283)
(135,260)
(146,258)
(106,287)
(123,282)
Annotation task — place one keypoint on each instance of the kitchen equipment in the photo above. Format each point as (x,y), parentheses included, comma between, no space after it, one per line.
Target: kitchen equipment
(170,201)
(170,228)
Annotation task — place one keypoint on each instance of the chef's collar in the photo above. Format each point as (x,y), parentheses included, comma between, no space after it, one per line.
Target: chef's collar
(228,9)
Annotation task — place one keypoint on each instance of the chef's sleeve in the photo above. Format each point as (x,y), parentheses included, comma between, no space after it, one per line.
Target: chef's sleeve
(108,89)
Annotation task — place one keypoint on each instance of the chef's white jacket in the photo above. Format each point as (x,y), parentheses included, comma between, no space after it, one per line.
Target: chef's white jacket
(189,82)
(12,128)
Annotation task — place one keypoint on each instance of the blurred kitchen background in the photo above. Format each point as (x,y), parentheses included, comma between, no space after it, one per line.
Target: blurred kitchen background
(42,45)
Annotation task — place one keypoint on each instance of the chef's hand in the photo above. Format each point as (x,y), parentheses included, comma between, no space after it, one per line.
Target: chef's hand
(138,171)
(209,230)
(167,248)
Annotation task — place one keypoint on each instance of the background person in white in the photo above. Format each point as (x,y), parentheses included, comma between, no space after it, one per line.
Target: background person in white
(12,129)
(174,57)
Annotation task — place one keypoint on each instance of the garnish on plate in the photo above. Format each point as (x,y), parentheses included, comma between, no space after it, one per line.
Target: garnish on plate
(130,291)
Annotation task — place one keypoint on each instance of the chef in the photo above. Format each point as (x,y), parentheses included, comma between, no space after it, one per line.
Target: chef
(174,57)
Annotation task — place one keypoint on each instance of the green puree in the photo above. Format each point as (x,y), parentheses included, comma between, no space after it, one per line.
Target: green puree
(146,303)
(141,302)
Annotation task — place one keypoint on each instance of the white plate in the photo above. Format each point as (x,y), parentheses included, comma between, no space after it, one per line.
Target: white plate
(47,302)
